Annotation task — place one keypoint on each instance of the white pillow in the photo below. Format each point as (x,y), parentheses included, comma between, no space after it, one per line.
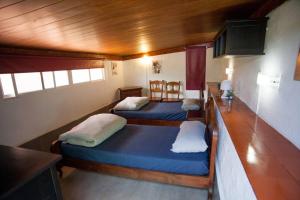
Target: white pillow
(94,130)
(190,104)
(132,103)
(191,138)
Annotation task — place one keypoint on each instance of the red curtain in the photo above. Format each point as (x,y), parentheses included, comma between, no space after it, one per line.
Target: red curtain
(26,63)
(195,68)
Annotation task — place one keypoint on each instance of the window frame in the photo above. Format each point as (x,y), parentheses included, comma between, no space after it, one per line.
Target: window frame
(70,82)
(73,83)
(43,89)
(16,88)
(103,73)
(53,78)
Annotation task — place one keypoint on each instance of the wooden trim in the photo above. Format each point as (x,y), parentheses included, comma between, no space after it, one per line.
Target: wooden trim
(154,53)
(140,174)
(45,52)
(266,8)
(165,51)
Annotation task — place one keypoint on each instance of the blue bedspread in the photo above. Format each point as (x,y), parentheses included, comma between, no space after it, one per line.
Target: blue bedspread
(144,147)
(157,110)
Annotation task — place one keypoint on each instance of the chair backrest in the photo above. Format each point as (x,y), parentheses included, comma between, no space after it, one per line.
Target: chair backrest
(173,88)
(157,87)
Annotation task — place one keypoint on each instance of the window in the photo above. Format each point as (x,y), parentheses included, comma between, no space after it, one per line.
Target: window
(7,85)
(19,83)
(28,82)
(61,78)
(80,75)
(48,80)
(97,74)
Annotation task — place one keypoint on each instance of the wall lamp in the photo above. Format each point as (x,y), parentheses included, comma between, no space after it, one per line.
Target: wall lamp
(267,80)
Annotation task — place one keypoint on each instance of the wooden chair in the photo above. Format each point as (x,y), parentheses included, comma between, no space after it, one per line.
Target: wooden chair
(156,87)
(172,88)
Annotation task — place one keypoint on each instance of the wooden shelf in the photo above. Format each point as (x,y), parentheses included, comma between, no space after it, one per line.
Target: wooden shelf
(274,170)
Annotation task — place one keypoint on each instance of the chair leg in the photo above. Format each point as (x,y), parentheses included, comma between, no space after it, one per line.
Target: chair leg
(210,191)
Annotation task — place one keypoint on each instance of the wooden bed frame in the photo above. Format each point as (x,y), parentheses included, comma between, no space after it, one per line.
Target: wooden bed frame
(149,175)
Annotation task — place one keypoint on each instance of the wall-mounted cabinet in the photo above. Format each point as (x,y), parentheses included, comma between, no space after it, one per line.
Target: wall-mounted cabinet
(241,37)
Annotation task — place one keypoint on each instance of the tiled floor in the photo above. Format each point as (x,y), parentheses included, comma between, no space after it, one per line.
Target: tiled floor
(84,185)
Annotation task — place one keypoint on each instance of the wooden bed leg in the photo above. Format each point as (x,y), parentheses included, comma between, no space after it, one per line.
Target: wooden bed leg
(210,191)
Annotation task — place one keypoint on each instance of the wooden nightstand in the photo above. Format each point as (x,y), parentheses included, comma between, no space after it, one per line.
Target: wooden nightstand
(130,92)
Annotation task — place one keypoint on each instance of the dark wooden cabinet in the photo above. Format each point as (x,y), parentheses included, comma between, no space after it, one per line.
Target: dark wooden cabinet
(241,37)
(28,174)
(130,92)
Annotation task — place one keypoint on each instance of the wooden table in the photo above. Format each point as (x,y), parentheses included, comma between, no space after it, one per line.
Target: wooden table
(130,92)
(28,174)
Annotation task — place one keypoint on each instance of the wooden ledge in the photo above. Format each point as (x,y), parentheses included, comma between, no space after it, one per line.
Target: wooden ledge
(271,162)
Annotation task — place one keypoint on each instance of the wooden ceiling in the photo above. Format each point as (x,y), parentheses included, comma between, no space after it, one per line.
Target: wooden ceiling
(119,27)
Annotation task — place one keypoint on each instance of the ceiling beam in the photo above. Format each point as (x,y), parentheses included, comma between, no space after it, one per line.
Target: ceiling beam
(154,53)
(164,51)
(44,52)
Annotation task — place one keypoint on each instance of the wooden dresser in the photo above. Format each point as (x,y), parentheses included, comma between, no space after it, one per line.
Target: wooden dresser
(28,174)
(130,92)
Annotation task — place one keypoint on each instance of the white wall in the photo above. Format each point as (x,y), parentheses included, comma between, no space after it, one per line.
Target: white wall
(278,107)
(215,67)
(229,169)
(33,114)
(138,73)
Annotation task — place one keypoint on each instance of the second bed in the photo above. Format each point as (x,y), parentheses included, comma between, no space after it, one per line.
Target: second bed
(155,113)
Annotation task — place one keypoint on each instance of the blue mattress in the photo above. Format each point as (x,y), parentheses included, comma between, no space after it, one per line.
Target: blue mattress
(144,147)
(158,111)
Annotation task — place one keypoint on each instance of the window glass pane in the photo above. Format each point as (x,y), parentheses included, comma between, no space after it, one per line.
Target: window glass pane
(80,75)
(28,82)
(97,74)
(7,85)
(61,78)
(48,80)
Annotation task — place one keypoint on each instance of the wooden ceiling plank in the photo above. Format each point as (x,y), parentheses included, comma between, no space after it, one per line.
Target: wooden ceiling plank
(42,17)
(118,27)
(93,22)
(19,9)
(7,3)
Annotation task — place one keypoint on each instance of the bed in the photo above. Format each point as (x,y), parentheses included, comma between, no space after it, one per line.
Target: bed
(156,113)
(144,147)
(143,152)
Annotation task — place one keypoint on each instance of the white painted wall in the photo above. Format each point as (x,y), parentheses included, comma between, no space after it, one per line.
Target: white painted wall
(138,73)
(33,114)
(215,67)
(278,107)
(229,169)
